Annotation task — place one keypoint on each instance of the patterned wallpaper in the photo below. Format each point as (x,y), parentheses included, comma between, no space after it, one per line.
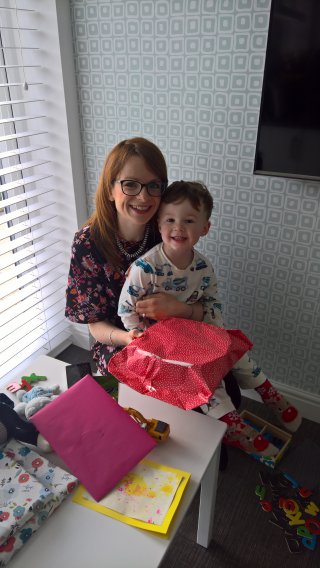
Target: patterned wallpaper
(188,75)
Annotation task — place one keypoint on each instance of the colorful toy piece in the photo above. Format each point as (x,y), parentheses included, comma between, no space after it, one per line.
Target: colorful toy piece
(14,387)
(26,382)
(25,385)
(33,378)
(271,433)
(291,509)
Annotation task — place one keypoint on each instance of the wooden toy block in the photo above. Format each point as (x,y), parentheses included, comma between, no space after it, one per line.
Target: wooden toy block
(275,435)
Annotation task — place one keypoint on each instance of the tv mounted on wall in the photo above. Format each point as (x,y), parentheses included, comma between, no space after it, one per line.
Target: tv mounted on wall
(288,142)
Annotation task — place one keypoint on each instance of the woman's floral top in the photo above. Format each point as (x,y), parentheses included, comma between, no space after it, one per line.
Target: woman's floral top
(94,288)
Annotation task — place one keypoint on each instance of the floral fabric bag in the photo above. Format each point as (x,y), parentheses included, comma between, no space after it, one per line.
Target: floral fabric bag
(31,488)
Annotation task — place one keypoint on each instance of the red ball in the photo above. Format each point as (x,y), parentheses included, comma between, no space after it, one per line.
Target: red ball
(260,443)
(289,414)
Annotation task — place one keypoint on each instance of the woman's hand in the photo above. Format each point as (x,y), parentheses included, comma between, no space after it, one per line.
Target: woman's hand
(107,333)
(162,306)
(133,334)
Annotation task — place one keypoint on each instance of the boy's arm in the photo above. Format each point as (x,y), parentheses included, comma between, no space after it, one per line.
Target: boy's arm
(134,288)
(212,309)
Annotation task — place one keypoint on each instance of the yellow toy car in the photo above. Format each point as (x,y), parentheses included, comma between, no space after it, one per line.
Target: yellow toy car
(157,429)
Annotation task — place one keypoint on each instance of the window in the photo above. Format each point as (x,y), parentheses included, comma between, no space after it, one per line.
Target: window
(37,210)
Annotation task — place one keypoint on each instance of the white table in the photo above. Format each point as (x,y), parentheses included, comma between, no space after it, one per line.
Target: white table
(77,537)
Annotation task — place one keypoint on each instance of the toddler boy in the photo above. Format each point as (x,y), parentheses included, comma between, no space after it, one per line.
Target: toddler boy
(175,267)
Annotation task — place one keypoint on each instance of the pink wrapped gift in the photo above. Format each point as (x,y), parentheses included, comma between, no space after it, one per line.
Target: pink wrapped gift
(95,437)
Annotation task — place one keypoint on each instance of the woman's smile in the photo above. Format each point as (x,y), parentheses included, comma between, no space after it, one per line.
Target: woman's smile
(140,208)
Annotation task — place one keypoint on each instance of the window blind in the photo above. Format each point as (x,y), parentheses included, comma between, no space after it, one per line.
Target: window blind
(32,282)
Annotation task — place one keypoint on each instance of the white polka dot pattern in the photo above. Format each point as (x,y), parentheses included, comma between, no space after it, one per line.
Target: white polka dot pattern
(209,351)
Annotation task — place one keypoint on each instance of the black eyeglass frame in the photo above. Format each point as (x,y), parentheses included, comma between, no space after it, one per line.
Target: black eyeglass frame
(163,187)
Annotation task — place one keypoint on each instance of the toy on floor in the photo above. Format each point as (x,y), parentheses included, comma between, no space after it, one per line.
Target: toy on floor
(277,437)
(292,509)
(156,428)
(35,399)
(12,426)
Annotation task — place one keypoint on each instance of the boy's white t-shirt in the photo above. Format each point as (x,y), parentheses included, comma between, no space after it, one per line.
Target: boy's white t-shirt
(153,272)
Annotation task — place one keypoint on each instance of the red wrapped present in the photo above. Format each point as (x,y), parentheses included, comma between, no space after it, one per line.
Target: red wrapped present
(179,361)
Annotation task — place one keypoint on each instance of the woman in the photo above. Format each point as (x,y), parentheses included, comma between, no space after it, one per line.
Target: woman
(122,227)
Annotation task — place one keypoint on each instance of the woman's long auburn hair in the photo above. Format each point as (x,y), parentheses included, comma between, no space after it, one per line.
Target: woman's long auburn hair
(104,222)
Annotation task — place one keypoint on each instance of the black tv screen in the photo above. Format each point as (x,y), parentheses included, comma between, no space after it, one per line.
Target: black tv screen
(288,142)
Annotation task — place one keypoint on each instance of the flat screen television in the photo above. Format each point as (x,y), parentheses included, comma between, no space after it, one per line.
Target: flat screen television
(288,141)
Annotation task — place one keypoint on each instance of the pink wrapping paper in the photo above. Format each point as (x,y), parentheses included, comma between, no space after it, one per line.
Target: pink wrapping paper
(179,361)
(93,435)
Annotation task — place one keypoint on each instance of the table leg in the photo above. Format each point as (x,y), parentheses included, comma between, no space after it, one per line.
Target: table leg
(208,499)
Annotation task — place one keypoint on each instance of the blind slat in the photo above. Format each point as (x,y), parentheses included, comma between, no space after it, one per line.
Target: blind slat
(23,355)
(37,297)
(18,28)
(13,327)
(16,9)
(27,291)
(21,135)
(28,251)
(15,283)
(46,342)
(27,265)
(19,151)
(20,101)
(47,322)
(18,118)
(17,47)
(25,181)
(22,166)
(17,335)
(33,334)
(24,211)
(44,328)
(25,196)
(28,224)
(17,66)
(26,239)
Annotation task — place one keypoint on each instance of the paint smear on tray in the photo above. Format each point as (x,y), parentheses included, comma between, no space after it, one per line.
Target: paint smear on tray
(145,493)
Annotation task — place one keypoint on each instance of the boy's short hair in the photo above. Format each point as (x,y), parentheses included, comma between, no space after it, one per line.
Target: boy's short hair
(195,192)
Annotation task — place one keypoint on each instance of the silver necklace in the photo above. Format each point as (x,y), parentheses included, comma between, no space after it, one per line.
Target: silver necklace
(141,248)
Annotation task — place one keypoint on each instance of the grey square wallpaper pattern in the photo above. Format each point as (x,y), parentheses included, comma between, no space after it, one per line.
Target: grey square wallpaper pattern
(188,75)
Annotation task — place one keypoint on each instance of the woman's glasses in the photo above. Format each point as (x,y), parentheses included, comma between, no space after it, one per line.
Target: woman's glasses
(132,187)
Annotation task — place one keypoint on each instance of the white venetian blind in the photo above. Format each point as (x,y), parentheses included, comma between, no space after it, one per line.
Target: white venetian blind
(32,283)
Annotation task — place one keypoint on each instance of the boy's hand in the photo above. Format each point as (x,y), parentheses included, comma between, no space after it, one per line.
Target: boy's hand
(161,306)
